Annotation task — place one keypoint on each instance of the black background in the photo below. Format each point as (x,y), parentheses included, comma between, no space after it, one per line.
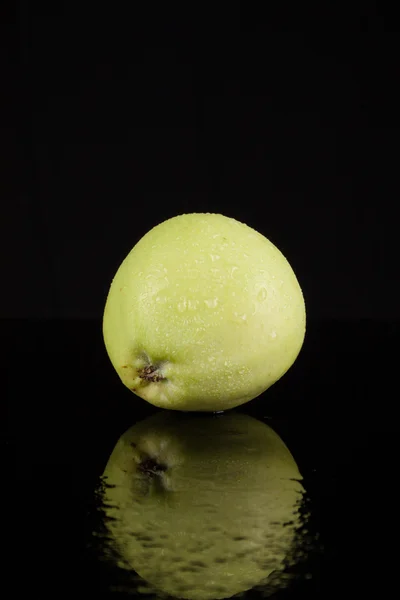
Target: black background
(117,119)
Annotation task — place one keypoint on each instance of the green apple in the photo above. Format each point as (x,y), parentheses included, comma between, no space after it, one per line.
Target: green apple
(201,506)
(204,314)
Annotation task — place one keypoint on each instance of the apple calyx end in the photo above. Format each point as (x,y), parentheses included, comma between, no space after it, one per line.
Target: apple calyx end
(150,466)
(150,374)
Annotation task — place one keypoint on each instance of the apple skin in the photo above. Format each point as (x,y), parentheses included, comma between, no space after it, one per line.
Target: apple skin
(201,506)
(204,314)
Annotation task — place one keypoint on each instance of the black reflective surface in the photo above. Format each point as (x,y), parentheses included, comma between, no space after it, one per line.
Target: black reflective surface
(65,413)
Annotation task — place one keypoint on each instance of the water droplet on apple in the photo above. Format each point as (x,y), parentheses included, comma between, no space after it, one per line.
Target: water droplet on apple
(273,334)
(214,257)
(212,303)
(182,304)
(262,295)
(192,304)
(242,316)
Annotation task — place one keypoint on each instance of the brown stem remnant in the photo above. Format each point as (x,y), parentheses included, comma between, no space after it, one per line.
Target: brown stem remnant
(151,374)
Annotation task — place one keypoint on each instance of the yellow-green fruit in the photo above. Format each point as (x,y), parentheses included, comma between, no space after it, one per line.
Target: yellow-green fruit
(202,506)
(203,314)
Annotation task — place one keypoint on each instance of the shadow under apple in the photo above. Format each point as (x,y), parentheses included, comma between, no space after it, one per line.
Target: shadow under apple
(201,506)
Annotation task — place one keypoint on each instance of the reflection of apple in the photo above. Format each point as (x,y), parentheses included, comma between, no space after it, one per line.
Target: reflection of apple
(203,314)
(202,506)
